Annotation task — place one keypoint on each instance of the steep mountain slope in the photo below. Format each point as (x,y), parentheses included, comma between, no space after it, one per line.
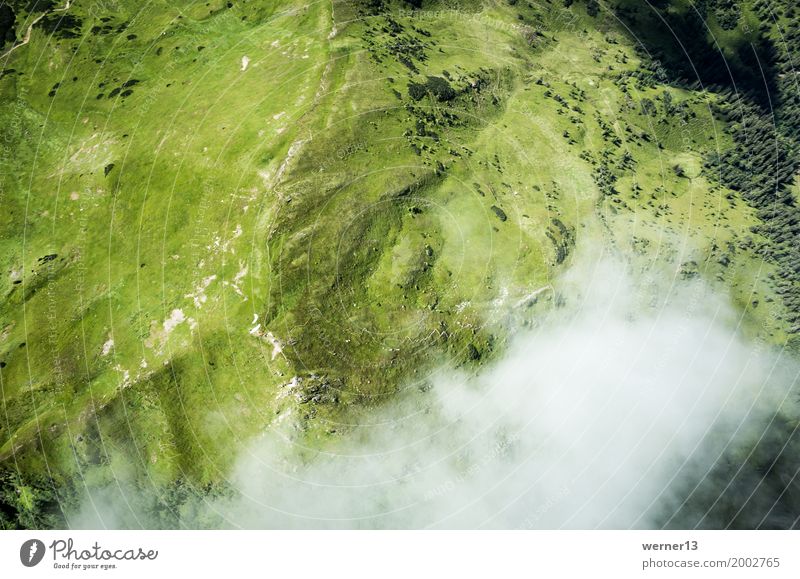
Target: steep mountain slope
(226,217)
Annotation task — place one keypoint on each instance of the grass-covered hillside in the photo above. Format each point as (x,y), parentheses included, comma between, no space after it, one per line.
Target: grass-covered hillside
(219,218)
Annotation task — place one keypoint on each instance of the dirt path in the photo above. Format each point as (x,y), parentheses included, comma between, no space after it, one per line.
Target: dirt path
(27,37)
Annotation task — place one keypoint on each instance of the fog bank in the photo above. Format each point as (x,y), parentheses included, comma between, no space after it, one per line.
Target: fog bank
(605,415)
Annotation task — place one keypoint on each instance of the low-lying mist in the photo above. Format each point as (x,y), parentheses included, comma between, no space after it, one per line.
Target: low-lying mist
(630,405)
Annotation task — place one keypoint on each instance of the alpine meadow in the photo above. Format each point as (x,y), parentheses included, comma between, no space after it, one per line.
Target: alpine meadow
(399,264)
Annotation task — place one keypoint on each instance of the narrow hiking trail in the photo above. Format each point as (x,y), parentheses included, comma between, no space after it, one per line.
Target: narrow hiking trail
(27,37)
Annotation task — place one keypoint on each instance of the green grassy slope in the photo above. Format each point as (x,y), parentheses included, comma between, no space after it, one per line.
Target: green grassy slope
(220,218)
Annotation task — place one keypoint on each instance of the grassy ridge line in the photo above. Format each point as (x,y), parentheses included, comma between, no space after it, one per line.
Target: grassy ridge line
(371,212)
